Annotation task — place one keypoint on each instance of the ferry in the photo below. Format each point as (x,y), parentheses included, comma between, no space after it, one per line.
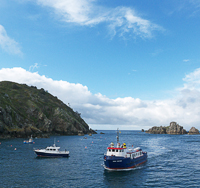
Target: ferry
(51,151)
(120,158)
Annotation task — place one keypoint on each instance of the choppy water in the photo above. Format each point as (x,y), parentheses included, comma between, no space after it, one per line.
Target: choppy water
(173,161)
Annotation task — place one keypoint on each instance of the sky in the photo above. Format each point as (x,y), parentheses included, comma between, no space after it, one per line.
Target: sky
(127,64)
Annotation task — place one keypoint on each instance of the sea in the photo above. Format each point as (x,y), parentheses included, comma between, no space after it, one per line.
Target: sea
(173,161)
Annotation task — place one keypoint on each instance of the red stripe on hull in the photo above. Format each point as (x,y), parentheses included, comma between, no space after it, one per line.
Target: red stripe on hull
(115,148)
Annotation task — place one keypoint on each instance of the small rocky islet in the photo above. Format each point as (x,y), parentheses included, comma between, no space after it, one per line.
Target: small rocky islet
(173,128)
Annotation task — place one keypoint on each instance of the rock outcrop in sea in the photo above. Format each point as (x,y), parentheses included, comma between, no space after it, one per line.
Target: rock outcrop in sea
(26,111)
(193,130)
(157,130)
(173,128)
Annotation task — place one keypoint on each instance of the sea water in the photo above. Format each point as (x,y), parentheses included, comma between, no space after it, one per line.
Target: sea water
(173,161)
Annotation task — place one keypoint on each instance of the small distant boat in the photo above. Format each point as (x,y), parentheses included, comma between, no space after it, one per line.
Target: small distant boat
(30,141)
(119,158)
(51,151)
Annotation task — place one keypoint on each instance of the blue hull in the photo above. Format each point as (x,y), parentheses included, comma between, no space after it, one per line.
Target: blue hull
(28,142)
(121,163)
(40,154)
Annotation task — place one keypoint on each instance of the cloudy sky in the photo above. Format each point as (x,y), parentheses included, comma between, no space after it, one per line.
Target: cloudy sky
(127,64)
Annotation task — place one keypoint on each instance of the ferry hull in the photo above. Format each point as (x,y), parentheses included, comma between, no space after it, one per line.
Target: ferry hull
(121,163)
(44,154)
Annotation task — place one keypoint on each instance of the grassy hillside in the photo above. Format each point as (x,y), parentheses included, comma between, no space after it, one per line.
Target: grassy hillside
(27,110)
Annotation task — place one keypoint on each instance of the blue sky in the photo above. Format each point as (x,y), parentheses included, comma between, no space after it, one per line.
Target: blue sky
(126,64)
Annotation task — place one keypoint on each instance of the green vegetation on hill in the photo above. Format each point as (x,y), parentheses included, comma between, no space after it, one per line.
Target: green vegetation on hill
(26,111)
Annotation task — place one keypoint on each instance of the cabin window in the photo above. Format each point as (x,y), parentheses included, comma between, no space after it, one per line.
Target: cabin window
(110,150)
(122,150)
(54,149)
(113,150)
(116,150)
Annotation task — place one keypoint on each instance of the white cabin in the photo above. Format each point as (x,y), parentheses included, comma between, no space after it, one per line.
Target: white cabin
(123,151)
(52,148)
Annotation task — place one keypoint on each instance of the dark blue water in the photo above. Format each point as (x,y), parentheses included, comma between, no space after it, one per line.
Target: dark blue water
(173,161)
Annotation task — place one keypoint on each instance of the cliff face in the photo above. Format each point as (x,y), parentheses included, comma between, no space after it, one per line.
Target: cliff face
(26,111)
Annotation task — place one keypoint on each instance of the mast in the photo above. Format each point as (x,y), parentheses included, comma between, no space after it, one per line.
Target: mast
(117,135)
(54,142)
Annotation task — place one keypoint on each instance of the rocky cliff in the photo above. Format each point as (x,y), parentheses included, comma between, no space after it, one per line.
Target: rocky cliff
(173,128)
(26,111)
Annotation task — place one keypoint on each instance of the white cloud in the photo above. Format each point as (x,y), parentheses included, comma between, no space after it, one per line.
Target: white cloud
(7,44)
(101,112)
(120,20)
(32,67)
(192,80)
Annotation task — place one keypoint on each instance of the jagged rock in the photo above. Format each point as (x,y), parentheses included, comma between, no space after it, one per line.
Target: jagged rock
(142,130)
(157,130)
(80,133)
(193,130)
(26,111)
(175,128)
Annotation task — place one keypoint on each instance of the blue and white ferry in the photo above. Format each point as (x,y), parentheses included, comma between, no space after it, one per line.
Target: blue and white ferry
(120,158)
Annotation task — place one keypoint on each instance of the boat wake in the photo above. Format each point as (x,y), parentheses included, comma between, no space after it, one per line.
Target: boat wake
(156,148)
